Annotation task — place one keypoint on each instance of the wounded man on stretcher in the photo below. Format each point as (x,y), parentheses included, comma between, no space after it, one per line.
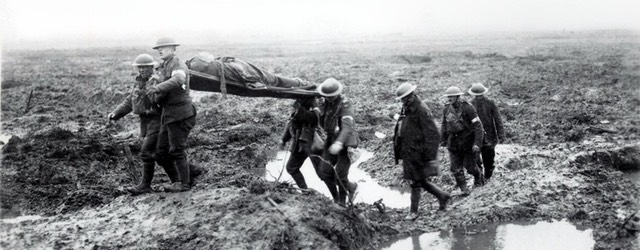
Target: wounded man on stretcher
(243,79)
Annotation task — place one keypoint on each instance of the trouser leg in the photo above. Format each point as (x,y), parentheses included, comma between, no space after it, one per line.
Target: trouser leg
(178,134)
(488,156)
(415,196)
(296,159)
(342,175)
(162,156)
(456,168)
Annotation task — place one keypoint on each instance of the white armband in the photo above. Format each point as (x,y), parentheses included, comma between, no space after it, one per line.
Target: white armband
(477,119)
(178,72)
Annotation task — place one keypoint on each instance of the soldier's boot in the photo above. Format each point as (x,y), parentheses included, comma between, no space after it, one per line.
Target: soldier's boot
(185,178)
(333,189)
(488,172)
(478,179)
(299,179)
(170,169)
(145,185)
(352,191)
(461,182)
(415,204)
(194,171)
(442,196)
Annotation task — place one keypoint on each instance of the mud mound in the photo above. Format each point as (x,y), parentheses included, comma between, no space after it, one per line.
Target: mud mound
(54,167)
(625,158)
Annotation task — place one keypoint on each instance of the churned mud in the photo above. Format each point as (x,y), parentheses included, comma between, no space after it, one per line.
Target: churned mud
(570,109)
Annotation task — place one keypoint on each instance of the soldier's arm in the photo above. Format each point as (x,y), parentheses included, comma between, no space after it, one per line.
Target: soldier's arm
(476,124)
(124,108)
(348,123)
(309,116)
(497,119)
(430,133)
(177,80)
(287,135)
(444,133)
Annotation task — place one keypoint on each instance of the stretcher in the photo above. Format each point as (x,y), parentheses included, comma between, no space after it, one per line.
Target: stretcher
(205,82)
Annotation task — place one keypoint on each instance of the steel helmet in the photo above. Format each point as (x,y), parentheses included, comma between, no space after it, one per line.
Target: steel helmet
(330,87)
(477,89)
(164,42)
(404,90)
(144,60)
(453,91)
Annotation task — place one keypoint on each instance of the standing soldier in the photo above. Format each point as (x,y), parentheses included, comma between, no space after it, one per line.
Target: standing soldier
(300,130)
(178,113)
(462,134)
(337,121)
(416,142)
(492,124)
(138,103)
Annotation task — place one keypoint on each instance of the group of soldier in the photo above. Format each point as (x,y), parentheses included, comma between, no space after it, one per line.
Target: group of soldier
(323,131)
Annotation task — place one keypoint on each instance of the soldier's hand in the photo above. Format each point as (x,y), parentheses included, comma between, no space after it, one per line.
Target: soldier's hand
(475,148)
(111,116)
(282,145)
(151,91)
(155,77)
(335,148)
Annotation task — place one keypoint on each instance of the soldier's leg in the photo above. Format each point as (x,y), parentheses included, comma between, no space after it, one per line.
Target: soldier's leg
(162,156)
(442,196)
(416,189)
(470,162)
(342,171)
(296,159)
(458,171)
(488,156)
(148,165)
(178,134)
(329,174)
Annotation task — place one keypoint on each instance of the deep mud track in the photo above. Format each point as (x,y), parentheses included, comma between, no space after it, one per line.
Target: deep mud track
(571,112)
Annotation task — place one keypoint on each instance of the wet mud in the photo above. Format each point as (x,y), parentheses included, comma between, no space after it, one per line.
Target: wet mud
(569,109)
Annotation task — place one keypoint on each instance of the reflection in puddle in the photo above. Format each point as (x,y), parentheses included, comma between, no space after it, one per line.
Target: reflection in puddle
(369,191)
(513,235)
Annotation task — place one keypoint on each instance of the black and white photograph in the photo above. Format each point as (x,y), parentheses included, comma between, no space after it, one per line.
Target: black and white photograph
(301,125)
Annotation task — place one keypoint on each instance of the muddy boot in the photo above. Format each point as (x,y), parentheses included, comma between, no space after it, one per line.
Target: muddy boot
(478,180)
(185,178)
(170,170)
(461,182)
(145,185)
(352,191)
(299,179)
(331,185)
(415,204)
(443,197)
(343,186)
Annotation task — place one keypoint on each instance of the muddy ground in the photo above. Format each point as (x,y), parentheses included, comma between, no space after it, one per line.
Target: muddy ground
(569,101)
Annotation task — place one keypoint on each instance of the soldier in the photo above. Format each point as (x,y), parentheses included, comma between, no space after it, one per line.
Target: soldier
(416,142)
(300,131)
(178,115)
(492,124)
(462,134)
(138,103)
(337,121)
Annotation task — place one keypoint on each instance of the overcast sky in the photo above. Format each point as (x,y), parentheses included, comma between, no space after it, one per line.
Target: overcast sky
(29,21)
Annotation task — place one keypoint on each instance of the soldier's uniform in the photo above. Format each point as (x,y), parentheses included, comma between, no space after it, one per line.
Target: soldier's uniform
(416,142)
(300,131)
(178,116)
(461,130)
(138,103)
(339,125)
(493,128)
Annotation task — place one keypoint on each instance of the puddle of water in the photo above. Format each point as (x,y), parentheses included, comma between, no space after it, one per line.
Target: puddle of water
(369,191)
(513,235)
(632,177)
(21,219)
